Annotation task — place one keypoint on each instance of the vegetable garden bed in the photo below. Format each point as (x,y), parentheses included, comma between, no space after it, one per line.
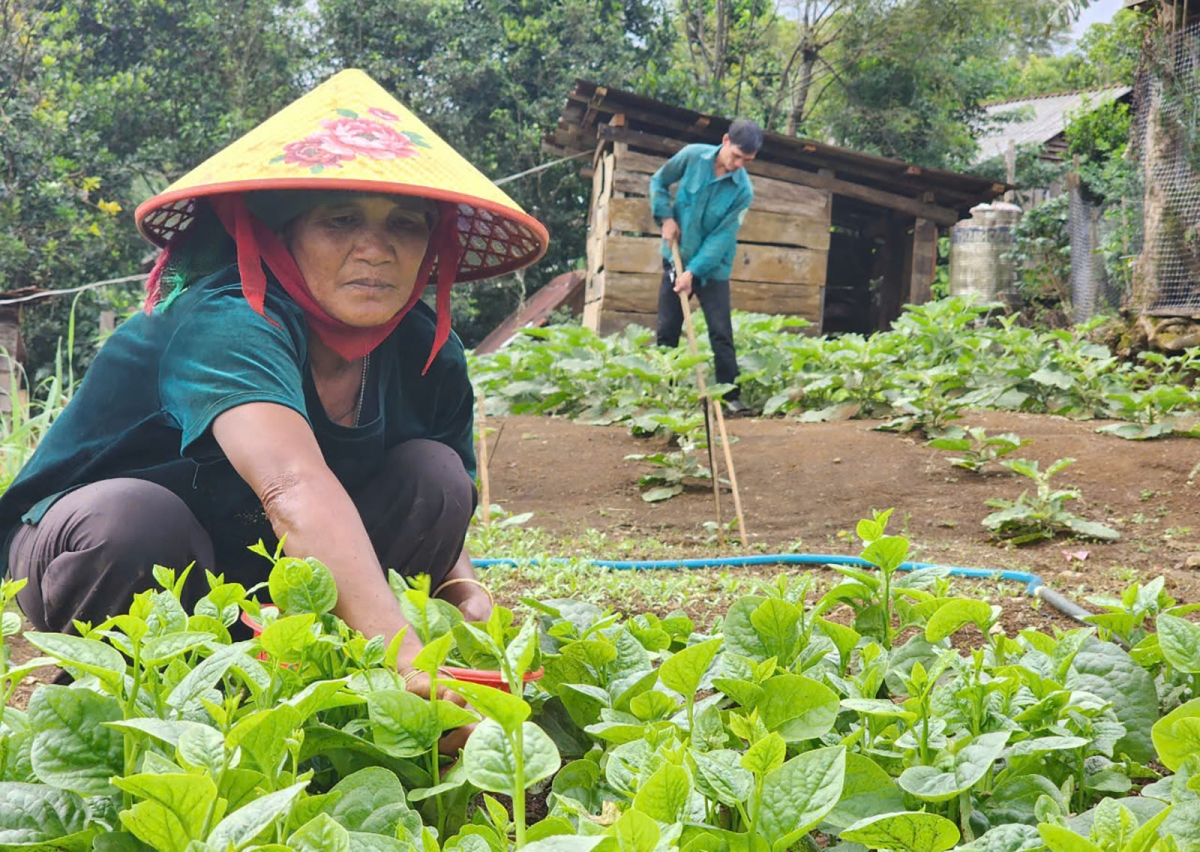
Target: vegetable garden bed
(772,727)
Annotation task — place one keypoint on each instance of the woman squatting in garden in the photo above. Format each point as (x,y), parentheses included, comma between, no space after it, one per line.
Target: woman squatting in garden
(285,381)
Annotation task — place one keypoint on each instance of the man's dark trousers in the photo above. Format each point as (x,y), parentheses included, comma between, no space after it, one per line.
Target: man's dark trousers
(714,300)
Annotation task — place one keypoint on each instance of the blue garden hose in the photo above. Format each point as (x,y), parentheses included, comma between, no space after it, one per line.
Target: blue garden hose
(1034,585)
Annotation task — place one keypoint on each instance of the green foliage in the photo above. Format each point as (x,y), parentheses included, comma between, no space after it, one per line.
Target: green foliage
(914,103)
(1043,514)
(978,448)
(24,427)
(104,103)
(1125,617)
(673,471)
(937,360)
(1042,250)
(1106,54)
(1032,171)
(909,80)
(754,732)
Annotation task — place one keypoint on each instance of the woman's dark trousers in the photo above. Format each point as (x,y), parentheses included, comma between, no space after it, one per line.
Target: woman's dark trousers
(97,546)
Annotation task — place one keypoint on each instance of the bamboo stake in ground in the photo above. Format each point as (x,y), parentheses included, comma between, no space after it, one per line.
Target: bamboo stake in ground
(706,408)
(715,405)
(712,458)
(483,464)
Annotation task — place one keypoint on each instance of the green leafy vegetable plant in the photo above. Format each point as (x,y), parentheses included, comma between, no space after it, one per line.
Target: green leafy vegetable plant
(1043,514)
(978,449)
(887,713)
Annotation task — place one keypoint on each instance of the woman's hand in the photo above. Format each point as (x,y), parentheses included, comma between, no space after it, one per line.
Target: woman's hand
(475,606)
(464,591)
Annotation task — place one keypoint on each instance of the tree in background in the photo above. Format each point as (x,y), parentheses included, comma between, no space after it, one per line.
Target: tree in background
(913,77)
(1106,54)
(727,47)
(60,198)
(491,77)
(903,78)
(102,104)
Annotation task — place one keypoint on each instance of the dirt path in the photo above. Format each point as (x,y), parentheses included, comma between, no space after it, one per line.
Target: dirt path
(813,481)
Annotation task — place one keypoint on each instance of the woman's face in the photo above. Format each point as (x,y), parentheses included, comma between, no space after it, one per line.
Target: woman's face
(360,256)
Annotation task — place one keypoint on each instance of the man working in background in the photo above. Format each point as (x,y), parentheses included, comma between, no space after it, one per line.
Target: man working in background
(711,202)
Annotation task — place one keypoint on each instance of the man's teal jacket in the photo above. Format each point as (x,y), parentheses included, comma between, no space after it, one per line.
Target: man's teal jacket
(708,209)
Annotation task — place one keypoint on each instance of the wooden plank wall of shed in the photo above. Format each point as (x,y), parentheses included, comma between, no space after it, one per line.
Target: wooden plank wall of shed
(780,266)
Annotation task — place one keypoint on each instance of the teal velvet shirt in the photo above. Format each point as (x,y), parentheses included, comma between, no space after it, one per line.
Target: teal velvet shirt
(709,210)
(146,407)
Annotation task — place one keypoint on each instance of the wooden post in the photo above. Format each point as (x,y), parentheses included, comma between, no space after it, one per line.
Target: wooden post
(598,228)
(486,497)
(715,404)
(712,465)
(1010,168)
(890,235)
(10,355)
(924,261)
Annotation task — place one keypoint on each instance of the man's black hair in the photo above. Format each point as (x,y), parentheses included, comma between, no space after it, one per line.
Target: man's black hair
(747,135)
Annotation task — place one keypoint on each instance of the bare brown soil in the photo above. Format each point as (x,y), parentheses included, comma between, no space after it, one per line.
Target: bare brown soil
(814,481)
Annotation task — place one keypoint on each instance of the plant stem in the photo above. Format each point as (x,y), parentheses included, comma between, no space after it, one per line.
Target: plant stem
(518,799)
(742,816)
(212,809)
(434,775)
(131,704)
(887,611)
(129,746)
(964,815)
(752,836)
(1082,768)
(924,734)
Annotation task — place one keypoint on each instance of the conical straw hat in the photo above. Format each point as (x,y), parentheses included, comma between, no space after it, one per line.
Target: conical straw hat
(350,134)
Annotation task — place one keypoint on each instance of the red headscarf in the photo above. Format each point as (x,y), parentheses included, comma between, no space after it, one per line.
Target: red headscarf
(257,244)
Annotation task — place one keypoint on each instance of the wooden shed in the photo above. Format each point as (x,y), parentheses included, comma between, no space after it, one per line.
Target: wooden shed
(840,238)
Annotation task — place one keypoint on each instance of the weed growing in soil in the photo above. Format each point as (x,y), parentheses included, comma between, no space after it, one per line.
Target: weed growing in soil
(1042,514)
(978,449)
(671,472)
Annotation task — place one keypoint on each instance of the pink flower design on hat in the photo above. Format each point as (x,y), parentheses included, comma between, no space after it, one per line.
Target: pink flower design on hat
(315,150)
(349,137)
(386,115)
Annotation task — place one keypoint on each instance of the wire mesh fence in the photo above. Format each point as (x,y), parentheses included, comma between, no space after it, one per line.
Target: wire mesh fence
(1165,141)
(1093,289)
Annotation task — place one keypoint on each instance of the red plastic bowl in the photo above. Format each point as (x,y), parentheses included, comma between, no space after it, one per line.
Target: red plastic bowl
(252,624)
(487,678)
(482,676)
(257,628)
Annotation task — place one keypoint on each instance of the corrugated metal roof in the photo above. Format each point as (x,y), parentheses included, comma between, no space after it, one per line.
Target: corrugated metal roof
(1039,119)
